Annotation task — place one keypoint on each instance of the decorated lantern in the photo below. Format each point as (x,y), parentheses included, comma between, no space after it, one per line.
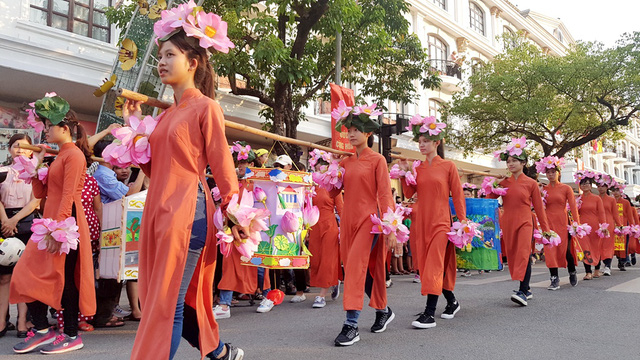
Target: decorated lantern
(286,194)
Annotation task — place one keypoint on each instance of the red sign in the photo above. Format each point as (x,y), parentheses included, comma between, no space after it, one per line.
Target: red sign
(340,140)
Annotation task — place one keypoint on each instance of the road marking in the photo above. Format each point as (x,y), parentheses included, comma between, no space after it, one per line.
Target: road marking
(490,280)
(632,286)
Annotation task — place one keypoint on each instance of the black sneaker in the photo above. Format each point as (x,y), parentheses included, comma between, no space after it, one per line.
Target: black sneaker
(451,310)
(573,278)
(233,353)
(348,336)
(519,298)
(555,283)
(424,321)
(382,320)
(633,259)
(529,294)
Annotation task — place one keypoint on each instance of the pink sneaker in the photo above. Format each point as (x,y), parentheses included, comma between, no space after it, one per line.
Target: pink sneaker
(62,344)
(34,340)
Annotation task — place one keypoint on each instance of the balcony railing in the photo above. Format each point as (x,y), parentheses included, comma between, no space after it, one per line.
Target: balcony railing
(446,67)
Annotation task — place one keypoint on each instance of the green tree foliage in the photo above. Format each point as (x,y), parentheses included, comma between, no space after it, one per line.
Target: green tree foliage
(559,102)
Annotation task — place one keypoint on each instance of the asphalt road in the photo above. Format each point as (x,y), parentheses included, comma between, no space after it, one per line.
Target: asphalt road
(598,319)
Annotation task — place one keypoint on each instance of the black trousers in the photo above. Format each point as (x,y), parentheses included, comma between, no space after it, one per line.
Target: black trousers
(571,265)
(70,300)
(524,284)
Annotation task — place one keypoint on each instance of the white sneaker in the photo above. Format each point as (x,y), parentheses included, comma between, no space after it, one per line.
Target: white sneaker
(606,271)
(220,313)
(265,306)
(120,312)
(320,302)
(416,279)
(298,299)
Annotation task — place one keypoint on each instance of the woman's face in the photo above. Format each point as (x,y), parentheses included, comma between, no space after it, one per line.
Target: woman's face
(427,146)
(616,193)
(585,187)
(468,194)
(514,165)
(552,174)
(602,189)
(16,150)
(263,159)
(55,133)
(173,65)
(122,174)
(356,137)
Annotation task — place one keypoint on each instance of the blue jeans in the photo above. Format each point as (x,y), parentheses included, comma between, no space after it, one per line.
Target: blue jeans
(196,243)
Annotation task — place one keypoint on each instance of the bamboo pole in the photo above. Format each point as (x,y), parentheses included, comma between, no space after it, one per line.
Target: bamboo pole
(50,151)
(131,95)
(464,171)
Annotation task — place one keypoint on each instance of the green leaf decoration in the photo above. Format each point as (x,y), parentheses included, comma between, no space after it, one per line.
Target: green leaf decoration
(281,242)
(294,249)
(272,231)
(264,248)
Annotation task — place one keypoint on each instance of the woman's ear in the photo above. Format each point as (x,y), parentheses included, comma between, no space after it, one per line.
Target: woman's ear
(193,64)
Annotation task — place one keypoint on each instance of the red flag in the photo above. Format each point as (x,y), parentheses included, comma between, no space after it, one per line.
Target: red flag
(340,140)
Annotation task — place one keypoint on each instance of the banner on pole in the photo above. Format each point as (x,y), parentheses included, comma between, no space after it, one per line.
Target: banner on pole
(340,140)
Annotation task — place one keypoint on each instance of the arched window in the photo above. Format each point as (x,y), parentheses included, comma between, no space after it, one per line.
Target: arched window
(441,3)
(592,163)
(558,34)
(605,168)
(435,108)
(476,64)
(476,18)
(616,172)
(510,41)
(626,177)
(438,51)
(635,178)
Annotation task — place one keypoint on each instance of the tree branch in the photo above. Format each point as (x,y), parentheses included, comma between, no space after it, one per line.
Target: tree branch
(306,22)
(319,85)
(249,91)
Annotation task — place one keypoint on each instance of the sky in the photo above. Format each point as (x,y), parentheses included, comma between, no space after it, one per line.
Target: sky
(590,20)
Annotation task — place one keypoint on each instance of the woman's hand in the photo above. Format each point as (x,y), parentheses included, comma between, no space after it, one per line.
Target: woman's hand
(240,232)
(404,165)
(114,126)
(53,246)
(9,227)
(40,155)
(131,108)
(392,241)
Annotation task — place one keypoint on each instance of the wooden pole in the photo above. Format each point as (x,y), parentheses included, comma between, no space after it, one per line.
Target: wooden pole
(51,151)
(230,124)
(464,171)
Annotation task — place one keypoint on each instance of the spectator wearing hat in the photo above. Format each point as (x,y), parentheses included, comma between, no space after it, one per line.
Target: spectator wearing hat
(283,162)
(262,156)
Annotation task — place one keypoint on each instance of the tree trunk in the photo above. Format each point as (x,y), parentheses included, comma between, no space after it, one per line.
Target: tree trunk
(285,119)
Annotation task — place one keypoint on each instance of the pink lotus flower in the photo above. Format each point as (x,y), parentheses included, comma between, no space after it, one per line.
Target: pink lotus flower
(310,216)
(319,156)
(132,143)
(469,186)
(579,230)
(391,223)
(603,230)
(289,223)
(415,120)
(241,212)
(409,178)
(225,240)
(173,19)
(635,231)
(215,192)
(368,110)
(537,235)
(491,185)
(259,194)
(395,172)
(329,177)
(404,210)
(341,112)
(26,168)
(551,238)
(549,162)
(32,119)
(431,126)
(462,234)
(64,232)
(243,151)
(117,154)
(210,29)
(516,146)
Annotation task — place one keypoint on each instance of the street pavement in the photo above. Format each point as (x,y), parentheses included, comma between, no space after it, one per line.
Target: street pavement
(598,319)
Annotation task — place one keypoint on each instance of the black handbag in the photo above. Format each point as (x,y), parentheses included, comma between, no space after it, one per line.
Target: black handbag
(24,225)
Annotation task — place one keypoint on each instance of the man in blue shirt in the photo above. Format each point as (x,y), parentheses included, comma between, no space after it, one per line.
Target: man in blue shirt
(110,188)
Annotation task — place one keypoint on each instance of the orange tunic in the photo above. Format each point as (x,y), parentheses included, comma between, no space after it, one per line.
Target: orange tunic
(625,211)
(557,198)
(324,242)
(435,255)
(39,275)
(633,242)
(611,213)
(367,191)
(188,137)
(592,213)
(517,224)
